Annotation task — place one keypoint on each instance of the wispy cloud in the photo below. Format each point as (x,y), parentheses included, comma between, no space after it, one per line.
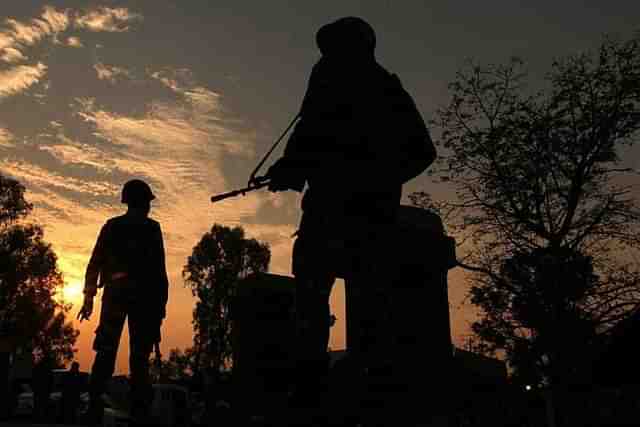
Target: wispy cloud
(5,40)
(71,152)
(56,20)
(110,73)
(45,178)
(17,35)
(20,78)
(179,147)
(12,55)
(107,19)
(6,138)
(73,42)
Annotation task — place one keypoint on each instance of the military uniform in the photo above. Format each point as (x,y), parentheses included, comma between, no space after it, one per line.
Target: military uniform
(359,138)
(129,260)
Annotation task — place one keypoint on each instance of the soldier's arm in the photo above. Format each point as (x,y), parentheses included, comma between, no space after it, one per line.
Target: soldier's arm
(292,169)
(164,280)
(418,148)
(317,100)
(96,262)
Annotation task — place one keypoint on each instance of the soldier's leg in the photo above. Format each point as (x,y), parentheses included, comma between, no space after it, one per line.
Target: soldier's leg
(313,315)
(313,287)
(312,337)
(112,316)
(144,329)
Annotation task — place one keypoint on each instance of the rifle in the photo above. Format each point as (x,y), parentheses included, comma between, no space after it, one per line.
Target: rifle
(256,182)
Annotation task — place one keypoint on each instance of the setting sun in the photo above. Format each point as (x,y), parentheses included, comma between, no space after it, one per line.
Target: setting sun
(72,292)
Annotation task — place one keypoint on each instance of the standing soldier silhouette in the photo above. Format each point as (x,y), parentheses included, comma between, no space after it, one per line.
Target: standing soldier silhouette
(129,260)
(359,139)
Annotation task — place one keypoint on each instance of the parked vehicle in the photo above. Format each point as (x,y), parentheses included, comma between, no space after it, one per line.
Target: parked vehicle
(113,415)
(24,402)
(171,406)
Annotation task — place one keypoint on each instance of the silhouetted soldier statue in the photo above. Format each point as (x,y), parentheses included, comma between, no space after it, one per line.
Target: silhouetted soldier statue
(71,387)
(359,138)
(129,259)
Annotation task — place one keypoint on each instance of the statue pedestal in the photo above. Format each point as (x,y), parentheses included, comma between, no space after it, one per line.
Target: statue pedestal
(423,351)
(263,342)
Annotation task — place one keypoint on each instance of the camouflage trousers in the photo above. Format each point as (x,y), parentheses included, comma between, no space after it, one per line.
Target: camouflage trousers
(144,332)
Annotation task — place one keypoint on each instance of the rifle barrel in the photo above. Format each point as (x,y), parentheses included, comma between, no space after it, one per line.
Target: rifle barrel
(234,193)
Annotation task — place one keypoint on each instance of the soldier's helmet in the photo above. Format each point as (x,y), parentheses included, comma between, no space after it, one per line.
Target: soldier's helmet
(349,35)
(136,191)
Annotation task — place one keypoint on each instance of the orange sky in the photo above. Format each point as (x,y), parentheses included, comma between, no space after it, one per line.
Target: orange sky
(188,95)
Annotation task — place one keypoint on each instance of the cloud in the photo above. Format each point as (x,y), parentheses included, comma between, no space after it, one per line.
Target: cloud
(12,55)
(5,40)
(181,82)
(6,138)
(71,152)
(107,19)
(18,35)
(47,179)
(110,73)
(57,21)
(28,34)
(20,78)
(178,146)
(169,78)
(74,42)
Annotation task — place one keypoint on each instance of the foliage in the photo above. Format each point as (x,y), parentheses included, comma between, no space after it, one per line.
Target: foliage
(179,366)
(30,316)
(544,209)
(221,258)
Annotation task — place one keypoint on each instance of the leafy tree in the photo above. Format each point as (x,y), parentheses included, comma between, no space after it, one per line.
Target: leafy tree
(221,258)
(30,316)
(544,209)
(178,366)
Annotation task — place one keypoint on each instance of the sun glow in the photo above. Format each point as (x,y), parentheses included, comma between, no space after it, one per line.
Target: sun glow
(72,292)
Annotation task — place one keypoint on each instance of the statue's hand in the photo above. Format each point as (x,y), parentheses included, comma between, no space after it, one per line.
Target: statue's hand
(283,176)
(87,309)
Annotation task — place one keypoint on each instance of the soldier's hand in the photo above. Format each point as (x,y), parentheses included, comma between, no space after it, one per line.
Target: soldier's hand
(281,176)
(87,309)
(276,174)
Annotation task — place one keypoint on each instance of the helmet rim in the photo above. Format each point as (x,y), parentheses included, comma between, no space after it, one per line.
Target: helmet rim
(136,190)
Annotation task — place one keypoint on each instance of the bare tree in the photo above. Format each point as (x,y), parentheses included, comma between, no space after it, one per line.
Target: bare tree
(544,207)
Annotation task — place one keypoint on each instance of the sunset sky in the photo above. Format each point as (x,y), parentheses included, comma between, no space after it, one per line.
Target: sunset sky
(189,94)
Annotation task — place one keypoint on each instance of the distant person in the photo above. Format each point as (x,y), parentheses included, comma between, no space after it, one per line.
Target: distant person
(42,386)
(129,260)
(72,386)
(359,139)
